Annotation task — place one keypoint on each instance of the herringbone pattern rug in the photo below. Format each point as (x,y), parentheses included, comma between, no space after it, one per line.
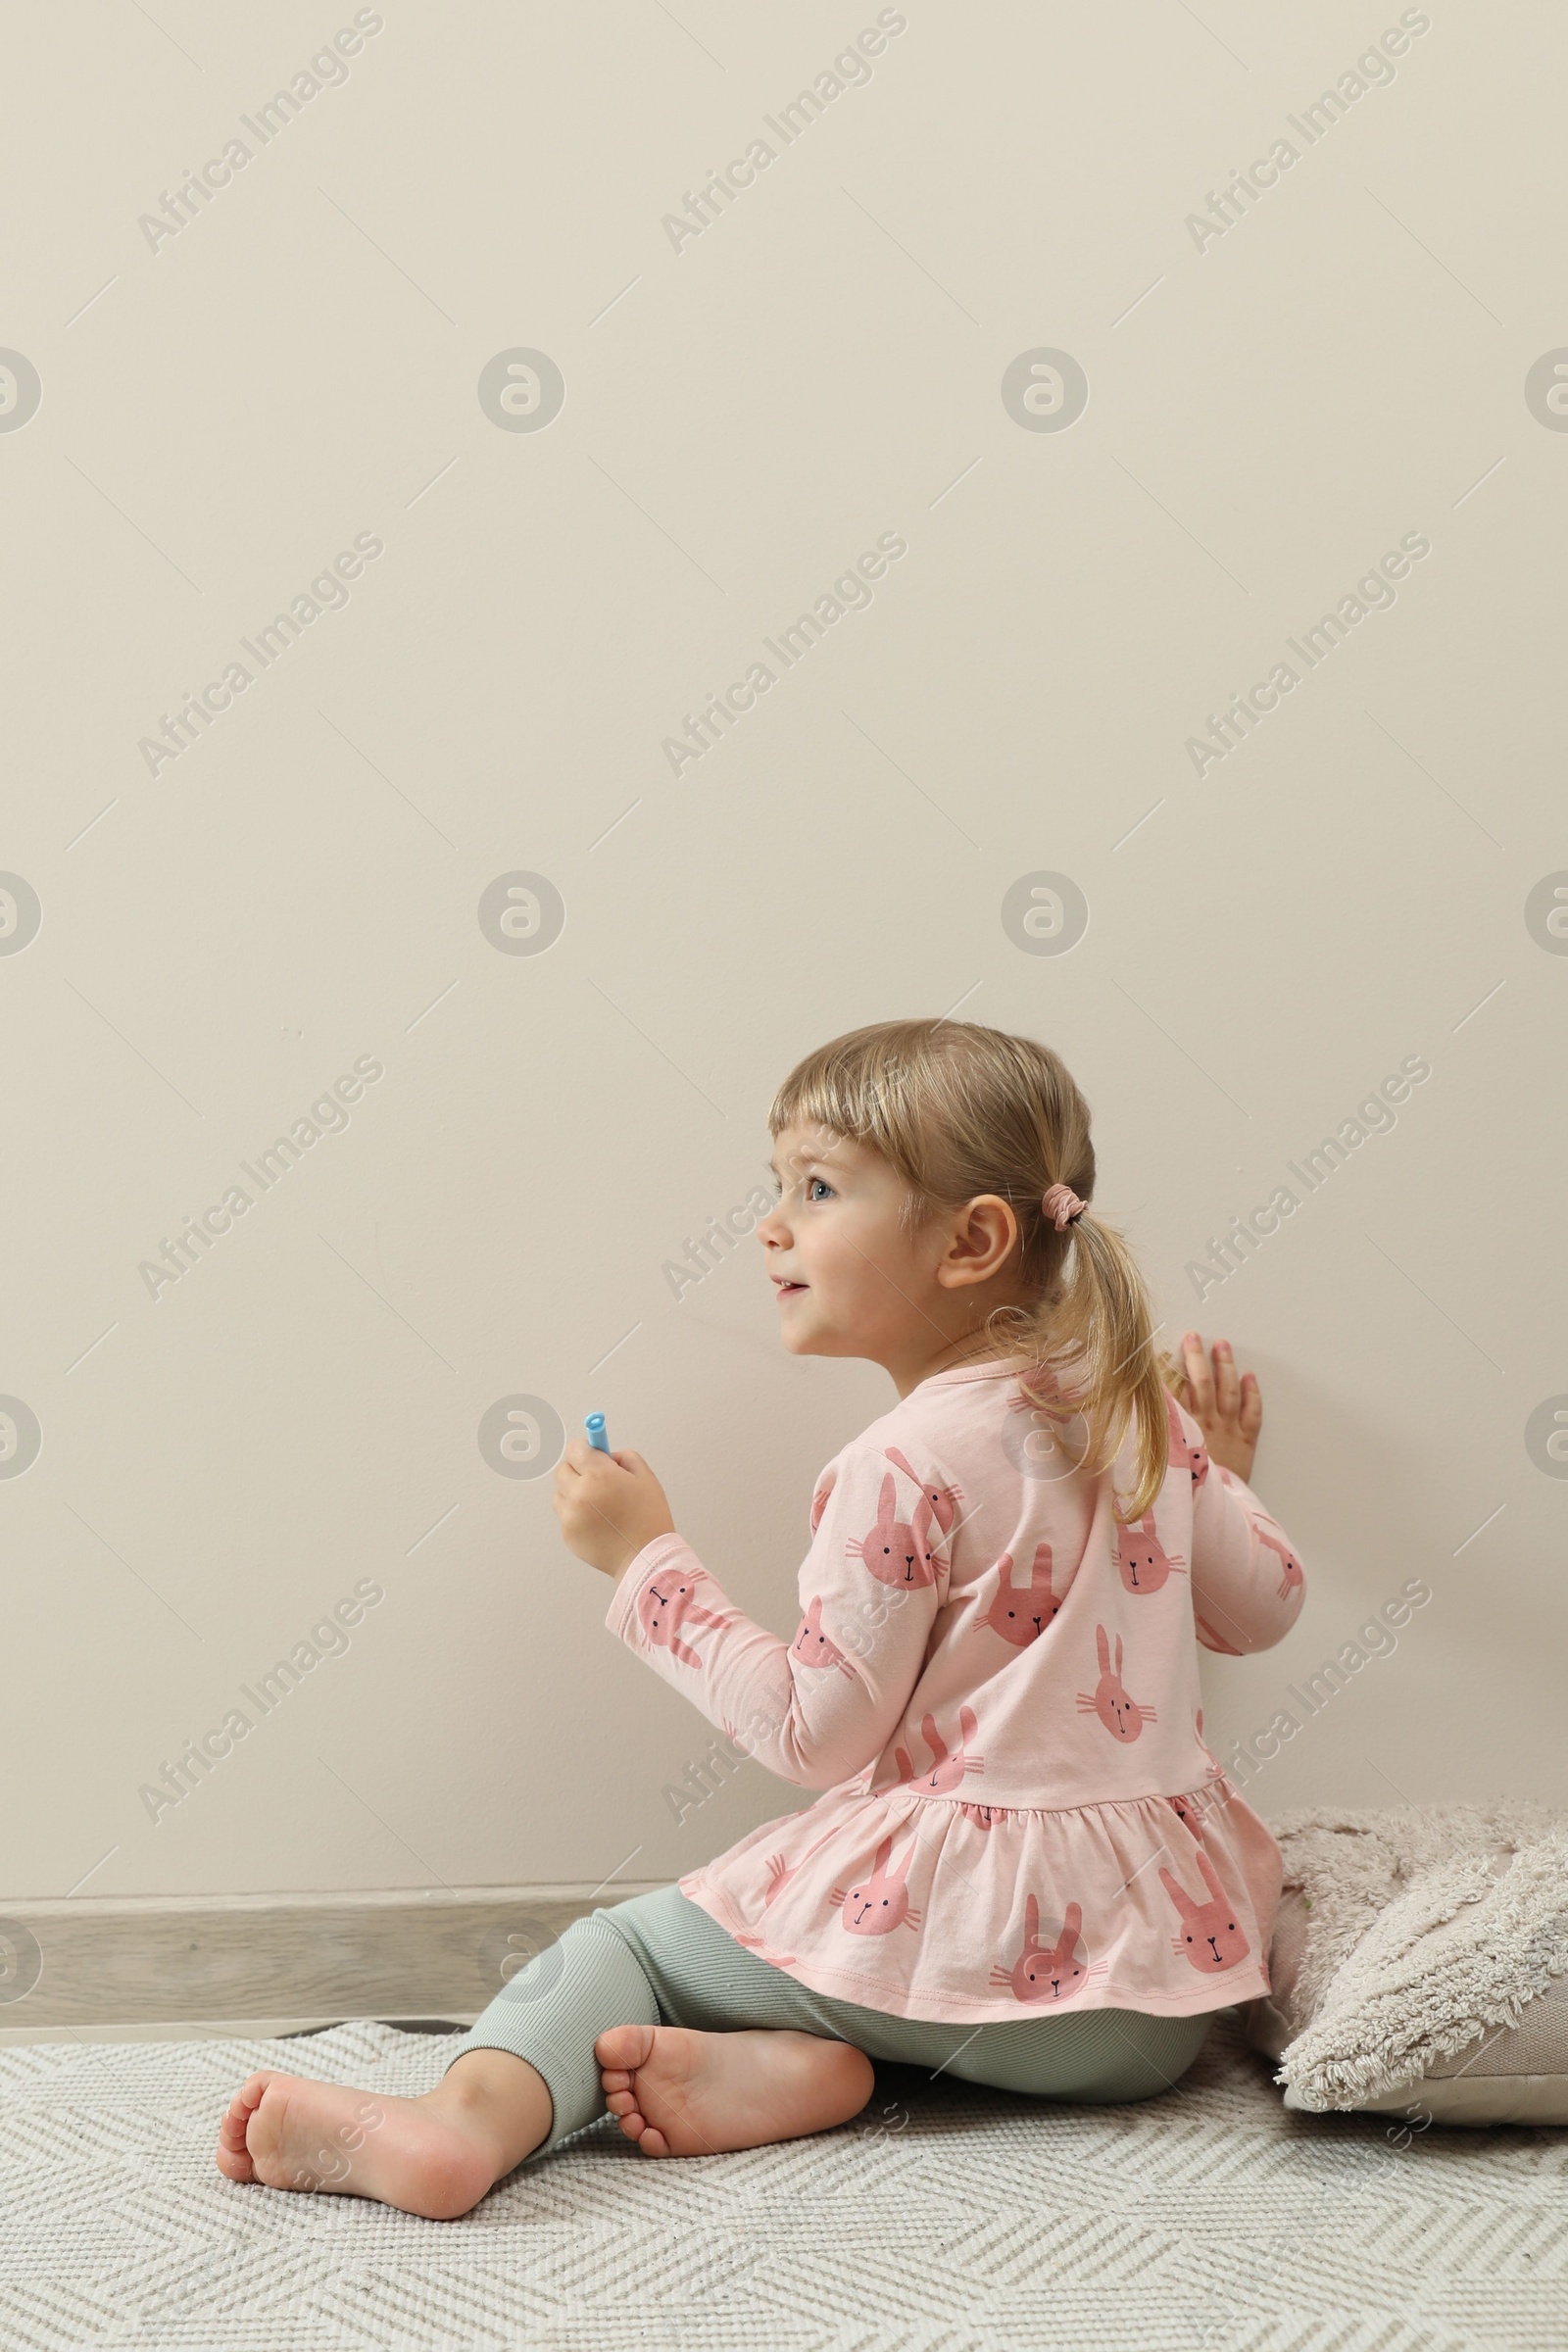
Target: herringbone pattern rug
(943,2219)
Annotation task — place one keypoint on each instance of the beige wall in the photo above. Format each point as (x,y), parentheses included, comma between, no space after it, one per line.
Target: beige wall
(227,932)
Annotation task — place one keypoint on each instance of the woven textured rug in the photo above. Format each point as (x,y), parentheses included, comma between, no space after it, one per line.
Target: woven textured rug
(945,2218)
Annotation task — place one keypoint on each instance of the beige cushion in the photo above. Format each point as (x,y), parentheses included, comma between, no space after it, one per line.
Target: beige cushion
(1439,1970)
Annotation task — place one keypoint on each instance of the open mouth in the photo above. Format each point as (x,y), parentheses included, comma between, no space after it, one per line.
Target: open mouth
(790,1290)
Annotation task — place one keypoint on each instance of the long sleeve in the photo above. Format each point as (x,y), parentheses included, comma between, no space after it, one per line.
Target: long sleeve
(1247,1584)
(823,1705)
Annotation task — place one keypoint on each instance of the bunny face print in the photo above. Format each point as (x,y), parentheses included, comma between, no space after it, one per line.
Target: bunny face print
(899,1552)
(880,1901)
(1210,1937)
(1046,1975)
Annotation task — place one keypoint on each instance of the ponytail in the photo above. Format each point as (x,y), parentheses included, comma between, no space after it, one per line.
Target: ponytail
(1098,1332)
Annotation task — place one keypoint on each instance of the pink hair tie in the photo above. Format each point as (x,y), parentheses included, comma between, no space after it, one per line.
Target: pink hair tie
(1062,1204)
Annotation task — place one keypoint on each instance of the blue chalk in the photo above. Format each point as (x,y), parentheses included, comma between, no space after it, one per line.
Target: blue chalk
(595,1426)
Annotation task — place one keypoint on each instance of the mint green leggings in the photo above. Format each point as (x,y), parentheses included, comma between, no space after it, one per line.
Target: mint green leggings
(659,1960)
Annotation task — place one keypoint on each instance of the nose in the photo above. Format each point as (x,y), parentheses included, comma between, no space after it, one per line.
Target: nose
(772,1228)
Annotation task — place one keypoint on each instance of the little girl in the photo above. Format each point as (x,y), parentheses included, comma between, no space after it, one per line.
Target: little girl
(1027,1869)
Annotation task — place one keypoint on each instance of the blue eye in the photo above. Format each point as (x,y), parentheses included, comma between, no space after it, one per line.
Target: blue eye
(811,1194)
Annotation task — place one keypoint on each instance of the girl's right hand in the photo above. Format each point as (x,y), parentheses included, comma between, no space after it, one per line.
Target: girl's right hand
(1229,1412)
(610,1507)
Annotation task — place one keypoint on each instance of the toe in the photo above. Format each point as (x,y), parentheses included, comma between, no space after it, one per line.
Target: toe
(653,2144)
(625,2048)
(613,2078)
(231,2156)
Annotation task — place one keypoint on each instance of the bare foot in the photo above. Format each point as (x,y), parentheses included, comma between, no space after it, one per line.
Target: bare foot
(287,2133)
(679,2093)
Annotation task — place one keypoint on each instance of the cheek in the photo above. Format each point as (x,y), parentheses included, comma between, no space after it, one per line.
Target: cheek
(861,1270)
(823,1259)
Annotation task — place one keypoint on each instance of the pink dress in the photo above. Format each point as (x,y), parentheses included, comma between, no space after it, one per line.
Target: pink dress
(996,1683)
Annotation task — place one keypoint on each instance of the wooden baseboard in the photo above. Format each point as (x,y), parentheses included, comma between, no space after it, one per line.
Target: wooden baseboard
(154,1966)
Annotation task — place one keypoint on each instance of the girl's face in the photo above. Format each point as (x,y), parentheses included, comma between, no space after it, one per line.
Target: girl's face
(852,1279)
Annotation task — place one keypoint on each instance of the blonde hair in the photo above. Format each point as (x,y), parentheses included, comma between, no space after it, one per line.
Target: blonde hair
(958,1110)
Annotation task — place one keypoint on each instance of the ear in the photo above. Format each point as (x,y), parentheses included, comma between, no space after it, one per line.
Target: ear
(1211,1877)
(977,1241)
(1031,1920)
(888,1503)
(902,1871)
(1072,1920)
(880,1865)
(1102,1646)
(1041,1573)
(1177,1891)
(967,1725)
(1118,1657)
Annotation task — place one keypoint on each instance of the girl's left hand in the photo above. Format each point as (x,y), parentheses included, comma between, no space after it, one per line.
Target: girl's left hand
(1229,1412)
(609,1505)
